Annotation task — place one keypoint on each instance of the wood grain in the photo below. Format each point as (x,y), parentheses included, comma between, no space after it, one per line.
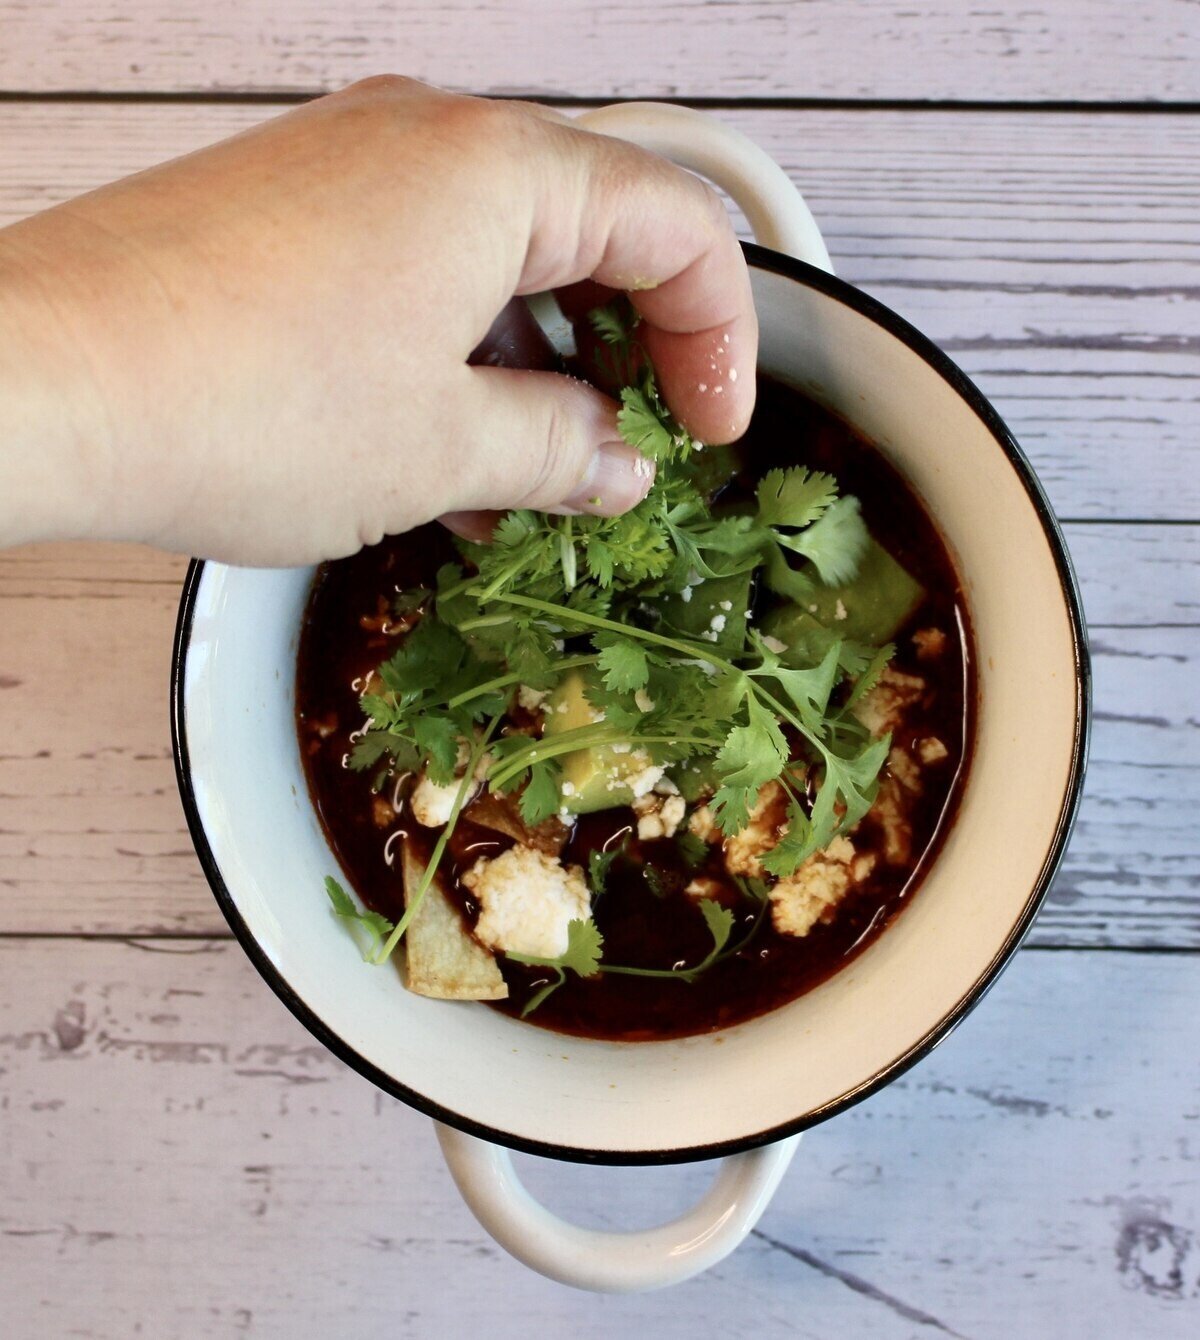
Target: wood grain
(937,49)
(92,838)
(1054,256)
(181,1159)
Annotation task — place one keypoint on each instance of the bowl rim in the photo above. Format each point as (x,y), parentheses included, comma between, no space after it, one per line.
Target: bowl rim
(829,285)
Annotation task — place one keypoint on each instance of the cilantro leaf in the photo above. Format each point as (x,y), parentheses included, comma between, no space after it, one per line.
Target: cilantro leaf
(540,798)
(612,323)
(719,921)
(641,425)
(599,864)
(834,543)
(623,662)
(581,956)
(437,737)
(691,847)
(794,497)
(374,746)
(374,923)
(809,689)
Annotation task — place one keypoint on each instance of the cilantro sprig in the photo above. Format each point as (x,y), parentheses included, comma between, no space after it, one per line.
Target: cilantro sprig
(608,596)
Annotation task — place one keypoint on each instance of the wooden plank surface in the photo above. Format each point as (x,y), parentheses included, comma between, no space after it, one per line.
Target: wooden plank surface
(932,49)
(179,1158)
(92,838)
(1054,256)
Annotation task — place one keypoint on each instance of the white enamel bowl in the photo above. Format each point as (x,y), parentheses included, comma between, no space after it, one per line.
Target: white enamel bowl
(514,1085)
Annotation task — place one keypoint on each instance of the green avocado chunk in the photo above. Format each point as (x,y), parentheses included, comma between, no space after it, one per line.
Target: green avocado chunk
(696,778)
(871,609)
(717,606)
(596,778)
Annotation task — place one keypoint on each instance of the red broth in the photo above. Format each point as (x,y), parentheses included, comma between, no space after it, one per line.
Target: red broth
(347,632)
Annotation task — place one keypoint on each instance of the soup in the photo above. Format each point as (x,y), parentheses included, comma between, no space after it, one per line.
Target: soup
(636,845)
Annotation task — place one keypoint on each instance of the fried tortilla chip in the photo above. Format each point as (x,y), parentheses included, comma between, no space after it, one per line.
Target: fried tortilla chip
(502,814)
(443,959)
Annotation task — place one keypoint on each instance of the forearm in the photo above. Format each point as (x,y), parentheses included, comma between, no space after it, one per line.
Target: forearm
(53,457)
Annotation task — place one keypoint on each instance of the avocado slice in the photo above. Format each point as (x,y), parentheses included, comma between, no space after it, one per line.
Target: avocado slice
(717,605)
(596,778)
(696,778)
(872,608)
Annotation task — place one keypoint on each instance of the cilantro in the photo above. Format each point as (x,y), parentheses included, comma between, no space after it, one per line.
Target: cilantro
(654,881)
(599,864)
(374,923)
(581,956)
(623,662)
(719,921)
(408,602)
(692,849)
(641,424)
(835,542)
(794,497)
(604,595)
(540,798)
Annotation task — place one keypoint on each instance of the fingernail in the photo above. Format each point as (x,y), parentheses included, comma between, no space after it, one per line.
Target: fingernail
(618,478)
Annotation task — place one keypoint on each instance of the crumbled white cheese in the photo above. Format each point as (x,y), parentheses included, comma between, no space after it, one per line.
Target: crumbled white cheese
(882,709)
(665,786)
(432,803)
(704,825)
(929,642)
(932,750)
(686,594)
(774,644)
(640,783)
(658,816)
(567,788)
(643,701)
(725,604)
(760,833)
(839,610)
(904,769)
(704,886)
(810,895)
(530,699)
(526,901)
(717,623)
(890,812)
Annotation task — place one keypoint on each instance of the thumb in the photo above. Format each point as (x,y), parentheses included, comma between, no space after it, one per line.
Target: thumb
(545,441)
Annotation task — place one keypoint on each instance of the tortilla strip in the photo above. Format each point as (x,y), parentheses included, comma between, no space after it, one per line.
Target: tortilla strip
(443,960)
(502,815)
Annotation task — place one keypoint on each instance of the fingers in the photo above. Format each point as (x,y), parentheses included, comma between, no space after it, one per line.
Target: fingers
(476,526)
(631,220)
(539,440)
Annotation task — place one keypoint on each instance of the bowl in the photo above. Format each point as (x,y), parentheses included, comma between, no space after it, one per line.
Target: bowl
(756,1085)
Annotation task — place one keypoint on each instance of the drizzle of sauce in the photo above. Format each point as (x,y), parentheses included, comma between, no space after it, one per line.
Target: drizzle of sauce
(346,634)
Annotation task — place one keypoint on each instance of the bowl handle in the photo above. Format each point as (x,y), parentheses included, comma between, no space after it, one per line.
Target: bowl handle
(614,1262)
(773,207)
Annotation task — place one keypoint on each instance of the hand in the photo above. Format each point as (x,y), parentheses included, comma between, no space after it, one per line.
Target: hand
(258,352)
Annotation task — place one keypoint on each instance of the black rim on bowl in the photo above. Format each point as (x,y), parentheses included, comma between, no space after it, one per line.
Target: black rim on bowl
(830,286)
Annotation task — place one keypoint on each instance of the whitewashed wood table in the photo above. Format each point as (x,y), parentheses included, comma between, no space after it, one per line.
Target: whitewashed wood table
(179,1158)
